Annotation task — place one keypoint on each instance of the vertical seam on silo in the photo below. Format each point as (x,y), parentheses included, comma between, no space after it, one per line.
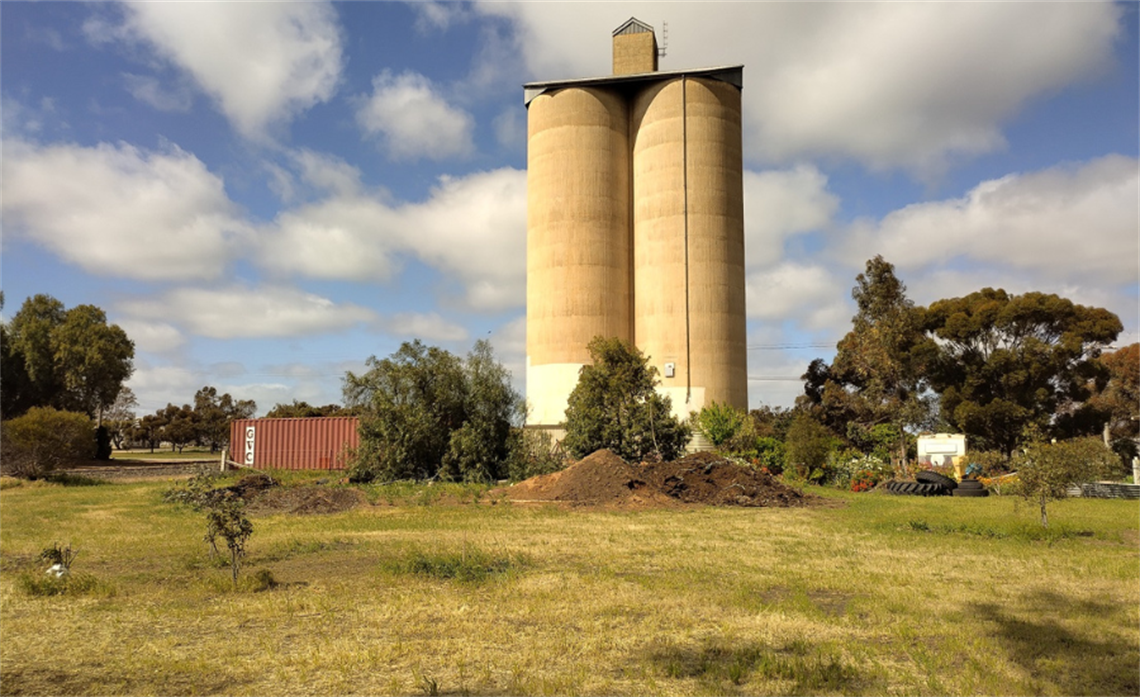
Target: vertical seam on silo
(685,189)
(631,278)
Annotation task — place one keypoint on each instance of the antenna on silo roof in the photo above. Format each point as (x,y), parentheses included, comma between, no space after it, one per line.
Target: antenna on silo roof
(664,39)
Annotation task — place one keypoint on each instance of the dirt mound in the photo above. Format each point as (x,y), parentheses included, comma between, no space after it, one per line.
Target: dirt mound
(305,500)
(605,479)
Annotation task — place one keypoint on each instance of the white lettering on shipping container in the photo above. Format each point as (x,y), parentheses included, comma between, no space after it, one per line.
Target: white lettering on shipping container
(250,433)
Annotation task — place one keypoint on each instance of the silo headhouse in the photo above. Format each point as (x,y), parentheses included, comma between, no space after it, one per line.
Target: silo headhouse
(635,227)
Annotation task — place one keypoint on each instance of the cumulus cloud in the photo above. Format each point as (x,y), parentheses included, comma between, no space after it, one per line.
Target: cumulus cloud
(153,337)
(890,84)
(241,312)
(260,62)
(779,204)
(413,119)
(807,294)
(1069,222)
(427,326)
(150,90)
(159,385)
(472,229)
(436,16)
(120,210)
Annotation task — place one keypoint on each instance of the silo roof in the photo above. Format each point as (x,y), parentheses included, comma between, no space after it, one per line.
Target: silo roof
(732,74)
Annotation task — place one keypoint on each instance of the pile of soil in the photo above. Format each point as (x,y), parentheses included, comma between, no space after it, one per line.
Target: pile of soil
(265,496)
(605,479)
(305,500)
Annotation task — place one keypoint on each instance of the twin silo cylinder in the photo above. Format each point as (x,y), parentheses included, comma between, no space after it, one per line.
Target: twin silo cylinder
(635,230)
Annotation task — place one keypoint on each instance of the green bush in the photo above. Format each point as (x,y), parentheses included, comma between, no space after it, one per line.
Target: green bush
(615,405)
(807,447)
(532,453)
(720,423)
(429,414)
(43,440)
(1045,471)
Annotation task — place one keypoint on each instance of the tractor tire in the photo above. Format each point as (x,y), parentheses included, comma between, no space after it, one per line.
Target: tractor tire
(971,492)
(972,484)
(936,478)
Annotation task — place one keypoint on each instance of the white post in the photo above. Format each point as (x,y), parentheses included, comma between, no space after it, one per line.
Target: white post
(223,459)
(1136,470)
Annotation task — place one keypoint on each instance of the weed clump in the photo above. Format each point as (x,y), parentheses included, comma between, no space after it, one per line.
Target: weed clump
(59,579)
(467,565)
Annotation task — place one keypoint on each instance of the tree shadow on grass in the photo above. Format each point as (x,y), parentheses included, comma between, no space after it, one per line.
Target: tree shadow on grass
(1053,654)
(721,667)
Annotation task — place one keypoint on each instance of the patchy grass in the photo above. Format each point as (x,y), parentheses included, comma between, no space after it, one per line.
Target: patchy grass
(466,565)
(166,454)
(882,595)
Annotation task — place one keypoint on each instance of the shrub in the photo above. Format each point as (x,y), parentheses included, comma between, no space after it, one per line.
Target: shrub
(720,423)
(43,440)
(1046,470)
(615,405)
(807,447)
(771,453)
(428,414)
(533,452)
(848,468)
(991,462)
(225,518)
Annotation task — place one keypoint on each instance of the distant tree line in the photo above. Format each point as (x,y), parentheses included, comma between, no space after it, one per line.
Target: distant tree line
(205,423)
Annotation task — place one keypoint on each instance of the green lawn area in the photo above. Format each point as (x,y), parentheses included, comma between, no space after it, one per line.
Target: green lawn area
(877,594)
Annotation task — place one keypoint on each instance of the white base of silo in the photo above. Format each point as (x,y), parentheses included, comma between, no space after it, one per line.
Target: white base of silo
(548,388)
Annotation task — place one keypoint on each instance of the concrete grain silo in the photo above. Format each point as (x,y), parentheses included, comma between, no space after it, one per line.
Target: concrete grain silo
(635,227)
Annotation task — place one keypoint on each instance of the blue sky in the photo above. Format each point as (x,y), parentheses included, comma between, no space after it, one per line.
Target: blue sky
(265,194)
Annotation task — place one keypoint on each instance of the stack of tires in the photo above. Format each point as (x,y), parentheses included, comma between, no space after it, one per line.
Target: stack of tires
(934,484)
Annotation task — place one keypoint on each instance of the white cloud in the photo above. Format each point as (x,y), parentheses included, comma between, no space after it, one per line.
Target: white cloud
(152,337)
(159,385)
(436,15)
(808,295)
(475,228)
(326,172)
(122,211)
(1077,223)
(472,229)
(240,312)
(413,119)
(888,84)
(261,62)
(150,90)
(344,238)
(429,327)
(779,204)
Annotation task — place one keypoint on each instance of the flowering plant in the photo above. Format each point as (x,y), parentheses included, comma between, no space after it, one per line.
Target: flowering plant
(864,480)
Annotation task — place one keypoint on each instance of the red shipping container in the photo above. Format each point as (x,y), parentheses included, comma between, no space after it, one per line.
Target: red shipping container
(319,443)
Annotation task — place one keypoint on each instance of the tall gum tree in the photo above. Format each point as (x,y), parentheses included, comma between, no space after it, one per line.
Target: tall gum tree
(878,375)
(1010,361)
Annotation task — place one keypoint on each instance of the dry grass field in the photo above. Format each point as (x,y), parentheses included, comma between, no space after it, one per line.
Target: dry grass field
(442,591)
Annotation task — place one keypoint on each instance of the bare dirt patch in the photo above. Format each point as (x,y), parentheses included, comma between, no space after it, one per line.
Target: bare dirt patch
(305,500)
(604,479)
(119,470)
